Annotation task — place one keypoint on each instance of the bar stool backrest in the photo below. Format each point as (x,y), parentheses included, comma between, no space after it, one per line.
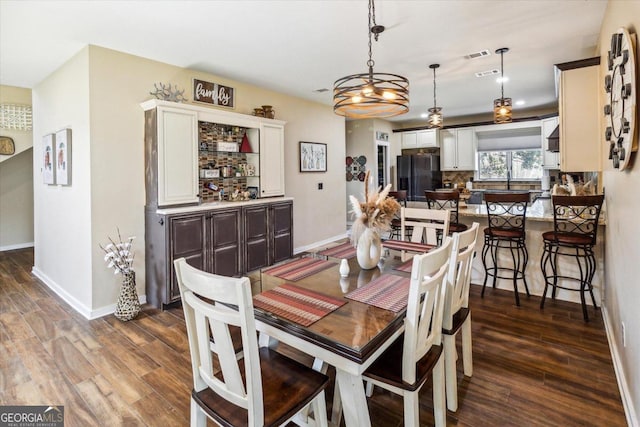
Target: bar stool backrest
(506,211)
(400,196)
(444,200)
(577,215)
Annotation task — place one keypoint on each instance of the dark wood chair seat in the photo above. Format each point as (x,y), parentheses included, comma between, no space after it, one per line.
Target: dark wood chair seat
(387,368)
(287,387)
(458,319)
(567,238)
(456,227)
(497,233)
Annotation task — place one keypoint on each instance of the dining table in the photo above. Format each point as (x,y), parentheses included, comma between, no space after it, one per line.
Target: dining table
(353,334)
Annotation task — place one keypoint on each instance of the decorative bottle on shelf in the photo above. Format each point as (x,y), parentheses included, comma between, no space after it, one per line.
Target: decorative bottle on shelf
(245,147)
(344,268)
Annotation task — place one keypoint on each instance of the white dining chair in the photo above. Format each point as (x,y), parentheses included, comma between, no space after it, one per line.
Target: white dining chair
(425,224)
(263,388)
(456,310)
(405,366)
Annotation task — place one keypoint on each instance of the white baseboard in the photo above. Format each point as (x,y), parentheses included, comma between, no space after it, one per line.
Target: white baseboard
(87,312)
(627,402)
(18,246)
(320,243)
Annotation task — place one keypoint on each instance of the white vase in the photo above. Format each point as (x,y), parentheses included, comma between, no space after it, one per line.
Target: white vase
(369,249)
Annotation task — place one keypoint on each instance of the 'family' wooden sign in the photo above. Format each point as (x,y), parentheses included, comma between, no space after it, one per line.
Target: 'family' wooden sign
(213,93)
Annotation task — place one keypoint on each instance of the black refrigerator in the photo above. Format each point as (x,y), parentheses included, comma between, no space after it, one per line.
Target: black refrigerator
(417,173)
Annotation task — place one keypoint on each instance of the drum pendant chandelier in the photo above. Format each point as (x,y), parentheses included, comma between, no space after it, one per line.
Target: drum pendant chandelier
(371,95)
(502,105)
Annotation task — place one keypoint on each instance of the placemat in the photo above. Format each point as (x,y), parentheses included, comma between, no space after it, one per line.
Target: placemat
(403,245)
(405,267)
(299,268)
(387,291)
(297,304)
(345,250)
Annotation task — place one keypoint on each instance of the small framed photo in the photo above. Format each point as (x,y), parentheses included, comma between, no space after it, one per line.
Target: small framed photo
(313,157)
(48,159)
(63,157)
(253,192)
(382,136)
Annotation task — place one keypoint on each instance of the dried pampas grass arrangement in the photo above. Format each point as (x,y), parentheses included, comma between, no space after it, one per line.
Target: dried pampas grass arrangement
(375,212)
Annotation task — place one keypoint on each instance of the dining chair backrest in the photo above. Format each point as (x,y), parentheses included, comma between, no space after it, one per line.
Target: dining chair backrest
(463,249)
(507,211)
(423,321)
(424,224)
(206,301)
(577,215)
(444,200)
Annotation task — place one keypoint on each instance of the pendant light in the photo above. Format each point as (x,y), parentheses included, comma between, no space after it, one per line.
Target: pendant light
(502,105)
(371,95)
(435,114)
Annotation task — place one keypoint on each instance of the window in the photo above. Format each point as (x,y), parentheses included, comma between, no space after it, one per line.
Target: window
(524,164)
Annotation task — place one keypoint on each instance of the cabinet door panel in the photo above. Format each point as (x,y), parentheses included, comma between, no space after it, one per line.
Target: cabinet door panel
(225,228)
(226,261)
(271,160)
(186,240)
(551,160)
(409,140)
(448,150)
(280,222)
(224,243)
(177,157)
(256,234)
(282,248)
(466,149)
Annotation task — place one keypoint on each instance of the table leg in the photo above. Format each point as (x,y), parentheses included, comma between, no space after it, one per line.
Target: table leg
(354,401)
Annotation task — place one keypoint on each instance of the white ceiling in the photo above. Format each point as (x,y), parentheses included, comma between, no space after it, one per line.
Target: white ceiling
(297,47)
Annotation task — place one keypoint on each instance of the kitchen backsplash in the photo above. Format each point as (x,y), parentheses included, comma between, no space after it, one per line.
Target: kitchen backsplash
(461,177)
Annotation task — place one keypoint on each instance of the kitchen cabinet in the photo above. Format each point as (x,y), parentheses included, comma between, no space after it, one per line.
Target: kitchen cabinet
(579,116)
(427,138)
(457,149)
(550,159)
(171,156)
(229,240)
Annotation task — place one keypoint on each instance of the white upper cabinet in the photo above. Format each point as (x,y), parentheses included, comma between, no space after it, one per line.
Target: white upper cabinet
(427,138)
(457,149)
(551,160)
(177,156)
(271,160)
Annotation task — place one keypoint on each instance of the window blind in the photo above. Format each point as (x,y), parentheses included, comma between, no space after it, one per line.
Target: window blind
(513,139)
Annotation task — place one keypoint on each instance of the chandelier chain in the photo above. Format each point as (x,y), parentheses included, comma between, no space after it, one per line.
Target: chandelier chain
(372,22)
(434,88)
(502,75)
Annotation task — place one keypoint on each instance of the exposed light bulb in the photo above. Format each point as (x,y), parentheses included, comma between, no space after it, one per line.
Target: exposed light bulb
(388,95)
(367,90)
(356,99)
(503,111)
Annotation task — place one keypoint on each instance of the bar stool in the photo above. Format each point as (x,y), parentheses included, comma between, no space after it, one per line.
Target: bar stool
(506,214)
(446,200)
(575,229)
(401,197)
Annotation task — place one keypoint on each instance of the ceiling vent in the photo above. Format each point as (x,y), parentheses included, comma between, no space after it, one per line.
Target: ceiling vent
(479,54)
(487,73)
(324,89)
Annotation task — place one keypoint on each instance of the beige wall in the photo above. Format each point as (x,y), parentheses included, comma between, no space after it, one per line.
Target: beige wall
(16,201)
(62,214)
(116,84)
(622,292)
(16,180)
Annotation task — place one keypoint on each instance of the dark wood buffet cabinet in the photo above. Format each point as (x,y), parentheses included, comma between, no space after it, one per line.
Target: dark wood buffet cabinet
(229,241)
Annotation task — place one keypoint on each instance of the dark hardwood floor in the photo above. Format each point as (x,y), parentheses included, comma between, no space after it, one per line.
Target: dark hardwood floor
(531,367)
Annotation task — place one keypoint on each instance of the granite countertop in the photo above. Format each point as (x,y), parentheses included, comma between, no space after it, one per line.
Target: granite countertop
(221,205)
(540,210)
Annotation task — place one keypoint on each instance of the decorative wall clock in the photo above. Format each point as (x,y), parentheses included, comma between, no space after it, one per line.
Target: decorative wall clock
(620,85)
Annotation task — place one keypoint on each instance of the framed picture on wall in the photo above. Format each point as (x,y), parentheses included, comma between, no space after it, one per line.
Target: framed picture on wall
(313,157)
(48,156)
(63,157)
